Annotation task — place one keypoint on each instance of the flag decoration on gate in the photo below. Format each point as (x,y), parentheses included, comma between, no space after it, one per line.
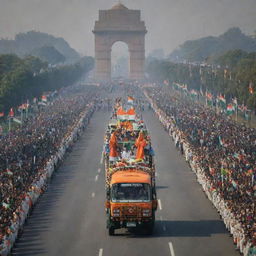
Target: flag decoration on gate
(230,109)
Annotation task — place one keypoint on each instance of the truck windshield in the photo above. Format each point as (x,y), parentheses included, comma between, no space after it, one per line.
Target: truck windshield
(130,192)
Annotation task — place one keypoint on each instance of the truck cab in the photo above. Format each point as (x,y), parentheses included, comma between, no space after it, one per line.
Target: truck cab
(131,200)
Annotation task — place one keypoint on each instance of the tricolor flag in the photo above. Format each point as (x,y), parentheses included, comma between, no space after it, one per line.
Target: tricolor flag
(130,100)
(230,109)
(222,99)
(44,98)
(11,113)
(209,98)
(251,87)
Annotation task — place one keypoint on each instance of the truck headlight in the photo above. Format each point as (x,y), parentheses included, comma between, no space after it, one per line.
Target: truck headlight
(116,212)
(146,212)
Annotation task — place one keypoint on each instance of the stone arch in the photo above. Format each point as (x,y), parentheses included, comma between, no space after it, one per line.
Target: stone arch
(120,56)
(119,24)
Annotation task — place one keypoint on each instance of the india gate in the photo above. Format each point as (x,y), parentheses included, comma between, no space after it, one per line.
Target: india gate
(119,24)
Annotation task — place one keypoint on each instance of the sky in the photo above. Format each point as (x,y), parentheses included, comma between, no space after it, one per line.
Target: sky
(169,22)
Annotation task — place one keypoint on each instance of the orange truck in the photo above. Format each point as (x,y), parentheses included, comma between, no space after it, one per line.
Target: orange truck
(130,198)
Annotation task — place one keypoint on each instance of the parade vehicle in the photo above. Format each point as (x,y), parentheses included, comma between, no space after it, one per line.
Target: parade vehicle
(131,199)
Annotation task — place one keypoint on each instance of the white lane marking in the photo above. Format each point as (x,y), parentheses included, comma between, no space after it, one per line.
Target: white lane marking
(96,177)
(101,252)
(171,249)
(159,203)
(164,228)
(101,159)
(99,170)
(93,194)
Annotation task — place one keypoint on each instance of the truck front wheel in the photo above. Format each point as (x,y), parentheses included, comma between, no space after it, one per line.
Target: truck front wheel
(111,231)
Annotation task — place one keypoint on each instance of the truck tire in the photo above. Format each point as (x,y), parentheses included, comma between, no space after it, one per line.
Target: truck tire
(111,231)
(150,229)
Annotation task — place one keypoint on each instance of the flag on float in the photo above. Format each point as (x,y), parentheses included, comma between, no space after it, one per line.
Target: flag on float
(251,87)
(44,98)
(230,109)
(131,114)
(11,113)
(130,99)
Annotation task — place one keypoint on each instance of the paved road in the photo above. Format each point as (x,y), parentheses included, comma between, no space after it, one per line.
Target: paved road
(70,217)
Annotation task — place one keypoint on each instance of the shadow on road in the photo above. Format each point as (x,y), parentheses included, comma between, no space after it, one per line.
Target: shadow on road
(181,228)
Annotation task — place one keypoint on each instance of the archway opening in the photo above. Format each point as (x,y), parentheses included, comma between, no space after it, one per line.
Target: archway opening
(120,60)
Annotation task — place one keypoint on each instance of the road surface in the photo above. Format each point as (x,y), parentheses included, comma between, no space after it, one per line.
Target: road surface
(70,219)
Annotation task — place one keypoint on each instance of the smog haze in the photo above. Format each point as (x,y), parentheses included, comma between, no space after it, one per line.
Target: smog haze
(169,22)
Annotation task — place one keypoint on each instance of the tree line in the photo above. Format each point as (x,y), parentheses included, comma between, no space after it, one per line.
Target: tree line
(24,79)
(232,74)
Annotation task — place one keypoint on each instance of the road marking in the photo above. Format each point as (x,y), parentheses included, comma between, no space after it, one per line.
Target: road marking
(164,228)
(101,252)
(159,203)
(171,249)
(99,170)
(101,159)
(93,194)
(96,177)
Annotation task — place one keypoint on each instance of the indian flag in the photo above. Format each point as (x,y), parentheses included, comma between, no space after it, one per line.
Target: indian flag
(130,100)
(230,109)
(193,92)
(44,98)
(222,99)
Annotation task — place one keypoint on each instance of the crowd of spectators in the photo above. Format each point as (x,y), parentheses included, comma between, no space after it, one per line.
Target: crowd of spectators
(25,151)
(223,149)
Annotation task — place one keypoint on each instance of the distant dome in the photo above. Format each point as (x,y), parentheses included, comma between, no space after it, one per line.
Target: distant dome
(119,6)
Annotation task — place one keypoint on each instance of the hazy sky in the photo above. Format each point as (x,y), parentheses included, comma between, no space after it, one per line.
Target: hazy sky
(169,22)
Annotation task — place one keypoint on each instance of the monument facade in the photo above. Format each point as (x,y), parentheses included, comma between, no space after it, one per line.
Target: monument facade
(119,24)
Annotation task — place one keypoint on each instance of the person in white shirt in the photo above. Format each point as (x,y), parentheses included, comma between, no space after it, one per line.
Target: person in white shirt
(126,154)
